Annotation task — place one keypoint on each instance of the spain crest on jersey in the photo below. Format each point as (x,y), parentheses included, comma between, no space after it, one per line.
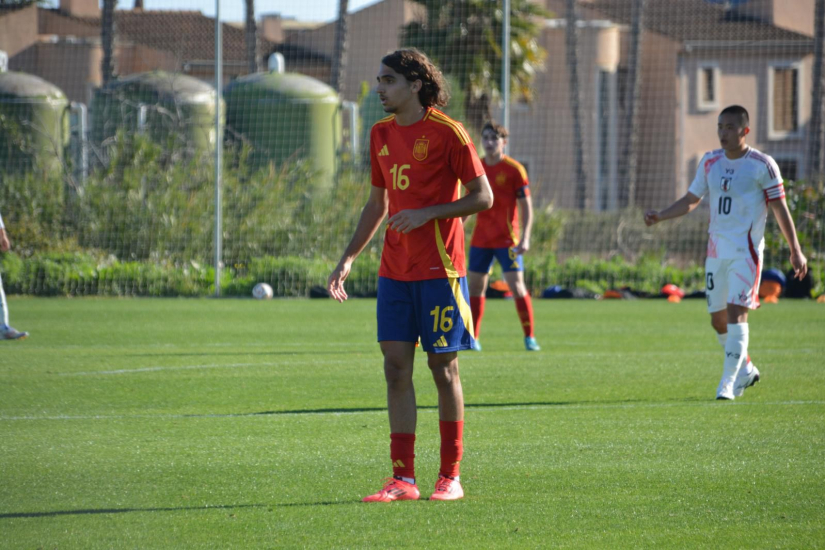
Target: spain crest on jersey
(420,149)
(501,179)
(725,184)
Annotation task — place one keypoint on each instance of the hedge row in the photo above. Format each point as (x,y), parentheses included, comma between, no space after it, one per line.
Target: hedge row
(83,274)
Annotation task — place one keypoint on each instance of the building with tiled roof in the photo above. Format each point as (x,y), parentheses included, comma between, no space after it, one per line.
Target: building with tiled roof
(62,45)
(698,57)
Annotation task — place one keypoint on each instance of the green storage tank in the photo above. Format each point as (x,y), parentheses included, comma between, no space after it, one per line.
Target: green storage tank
(34,123)
(163,105)
(286,116)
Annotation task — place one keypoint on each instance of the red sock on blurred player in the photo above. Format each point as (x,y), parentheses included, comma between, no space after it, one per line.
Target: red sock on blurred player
(477,308)
(524,306)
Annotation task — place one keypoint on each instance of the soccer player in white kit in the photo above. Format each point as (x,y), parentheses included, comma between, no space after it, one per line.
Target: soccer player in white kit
(6,332)
(741,183)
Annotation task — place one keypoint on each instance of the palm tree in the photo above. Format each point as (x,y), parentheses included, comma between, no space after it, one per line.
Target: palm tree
(572,46)
(627,193)
(339,56)
(253,60)
(463,37)
(107,40)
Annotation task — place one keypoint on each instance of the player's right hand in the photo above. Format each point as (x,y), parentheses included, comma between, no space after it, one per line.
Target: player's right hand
(5,245)
(651,217)
(335,283)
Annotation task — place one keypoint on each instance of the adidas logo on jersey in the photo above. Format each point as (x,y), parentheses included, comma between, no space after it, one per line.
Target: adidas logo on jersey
(384,151)
(440,343)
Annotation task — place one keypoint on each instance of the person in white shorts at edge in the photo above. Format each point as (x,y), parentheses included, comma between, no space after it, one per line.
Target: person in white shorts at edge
(740,183)
(6,332)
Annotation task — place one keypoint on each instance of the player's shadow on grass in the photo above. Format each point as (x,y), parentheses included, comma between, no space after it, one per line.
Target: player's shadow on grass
(342,410)
(232,353)
(94,511)
(101,511)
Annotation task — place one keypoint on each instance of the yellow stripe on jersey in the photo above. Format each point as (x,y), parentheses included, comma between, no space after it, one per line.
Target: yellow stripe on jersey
(385,119)
(463,307)
(457,124)
(442,251)
(457,127)
(512,233)
(517,165)
(463,137)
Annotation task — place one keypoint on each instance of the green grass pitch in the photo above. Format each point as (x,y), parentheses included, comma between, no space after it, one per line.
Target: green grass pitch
(142,423)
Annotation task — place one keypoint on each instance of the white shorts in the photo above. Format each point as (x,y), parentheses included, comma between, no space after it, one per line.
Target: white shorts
(732,282)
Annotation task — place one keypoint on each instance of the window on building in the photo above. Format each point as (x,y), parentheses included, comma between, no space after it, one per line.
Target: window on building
(707,87)
(785,99)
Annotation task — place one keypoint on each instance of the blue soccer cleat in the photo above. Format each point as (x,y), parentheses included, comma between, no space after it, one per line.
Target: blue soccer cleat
(9,333)
(530,344)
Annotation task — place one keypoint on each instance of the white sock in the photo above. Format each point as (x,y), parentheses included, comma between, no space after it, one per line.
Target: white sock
(723,339)
(4,309)
(736,354)
(410,480)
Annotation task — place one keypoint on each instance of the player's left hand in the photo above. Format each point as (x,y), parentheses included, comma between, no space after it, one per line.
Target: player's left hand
(407,220)
(800,264)
(522,247)
(5,245)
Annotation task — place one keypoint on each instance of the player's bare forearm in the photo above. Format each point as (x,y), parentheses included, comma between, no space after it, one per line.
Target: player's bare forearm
(682,206)
(371,217)
(526,208)
(785,221)
(786,225)
(479,197)
(5,245)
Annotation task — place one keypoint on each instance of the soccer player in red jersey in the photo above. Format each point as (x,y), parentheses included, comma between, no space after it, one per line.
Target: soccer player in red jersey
(419,156)
(496,234)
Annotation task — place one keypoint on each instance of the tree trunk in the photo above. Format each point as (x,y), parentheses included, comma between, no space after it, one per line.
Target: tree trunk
(339,56)
(629,172)
(816,143)
(572,43)
(107,40)
(253,60)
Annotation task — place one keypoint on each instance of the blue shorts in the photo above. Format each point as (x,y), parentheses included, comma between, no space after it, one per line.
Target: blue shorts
(436,310)
(481,259)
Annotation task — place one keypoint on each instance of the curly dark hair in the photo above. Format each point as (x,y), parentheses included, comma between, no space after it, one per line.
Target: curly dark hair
(499,130)
(414,65)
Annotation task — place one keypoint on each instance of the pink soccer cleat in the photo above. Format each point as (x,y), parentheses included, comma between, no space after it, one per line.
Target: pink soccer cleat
(395,489)
(447,488)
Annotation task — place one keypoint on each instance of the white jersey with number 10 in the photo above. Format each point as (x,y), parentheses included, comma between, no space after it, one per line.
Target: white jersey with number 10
(738,192)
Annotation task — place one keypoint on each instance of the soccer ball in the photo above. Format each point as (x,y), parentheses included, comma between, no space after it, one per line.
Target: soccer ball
(262,291)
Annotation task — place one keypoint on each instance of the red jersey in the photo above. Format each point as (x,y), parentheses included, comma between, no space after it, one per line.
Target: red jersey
(421,165)
(498,226)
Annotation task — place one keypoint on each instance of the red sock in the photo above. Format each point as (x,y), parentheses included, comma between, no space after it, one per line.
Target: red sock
(452,447)
(477,307)
(402,453)
(524,306)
